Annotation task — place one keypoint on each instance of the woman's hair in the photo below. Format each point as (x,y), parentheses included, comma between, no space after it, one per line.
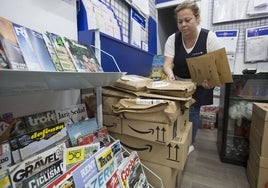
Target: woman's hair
(188,4)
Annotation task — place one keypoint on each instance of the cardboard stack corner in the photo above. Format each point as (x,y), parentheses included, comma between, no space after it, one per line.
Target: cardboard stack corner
(257,165)
(153,124)
(213,66)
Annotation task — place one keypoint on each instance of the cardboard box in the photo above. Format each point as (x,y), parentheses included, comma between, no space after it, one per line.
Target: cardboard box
(112,123)
(164,175)
(151,131)
(259,128)
(251,176)
(173,154)
(256,140)
(260,117)
(257,169)
(213,66)
(182,121)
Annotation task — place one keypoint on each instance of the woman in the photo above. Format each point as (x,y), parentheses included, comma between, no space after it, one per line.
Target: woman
(190,41)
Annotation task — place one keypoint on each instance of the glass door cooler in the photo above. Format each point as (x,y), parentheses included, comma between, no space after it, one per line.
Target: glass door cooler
(234,116)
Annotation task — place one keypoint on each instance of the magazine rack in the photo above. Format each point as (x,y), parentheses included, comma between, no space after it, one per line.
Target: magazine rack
(147,170)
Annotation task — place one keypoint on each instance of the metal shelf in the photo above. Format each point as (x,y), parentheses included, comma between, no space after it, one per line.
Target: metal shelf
(14,82)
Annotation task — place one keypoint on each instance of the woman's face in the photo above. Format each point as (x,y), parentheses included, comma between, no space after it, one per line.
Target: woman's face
(186,21)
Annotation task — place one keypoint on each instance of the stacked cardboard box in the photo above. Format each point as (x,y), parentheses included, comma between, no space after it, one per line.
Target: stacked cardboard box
(155,124)
(257,165)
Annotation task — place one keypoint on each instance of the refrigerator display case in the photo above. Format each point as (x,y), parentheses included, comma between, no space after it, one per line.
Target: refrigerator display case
(234,116)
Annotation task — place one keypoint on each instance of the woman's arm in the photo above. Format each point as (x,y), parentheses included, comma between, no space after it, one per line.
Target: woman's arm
(168,68)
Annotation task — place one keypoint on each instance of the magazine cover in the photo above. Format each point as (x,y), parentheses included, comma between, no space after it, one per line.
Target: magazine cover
(72,114)
(83,56)
(78,154)
(130,172)
(11,127)
(62,53)
(3,57)
(45,176)
(88,169)
(99,136)
(10,45)
(77,130)
(113,182)
(5,156)
(52,52)
(30,143)
(107,162)
(101,178)
(40,120)
(4,179)
(64,180)
(104,158)
(117,152)
(32,165)
(26,47)
(40,49)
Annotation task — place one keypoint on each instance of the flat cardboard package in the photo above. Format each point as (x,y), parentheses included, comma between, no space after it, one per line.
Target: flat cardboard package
(176,88)
(133,82)
(213,66)
(153,110)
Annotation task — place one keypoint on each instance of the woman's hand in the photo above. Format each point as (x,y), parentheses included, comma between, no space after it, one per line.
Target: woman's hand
(170,77)
(206,84)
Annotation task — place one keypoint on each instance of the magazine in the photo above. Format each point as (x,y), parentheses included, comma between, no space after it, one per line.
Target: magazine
(88,169)
(72,114)
(5,156)
(77,130)
(45,176)
(113,182)
(11,127)
(52,52)
(4,179)
(130,172)
(32,165)
(117,152)
(3,57)
(64,180)
(26,47)
(83,56)
(62,53)
(102,177)
(78,154)
(40,120)
(37,42)
(10,45)
(99,136)
(30,143)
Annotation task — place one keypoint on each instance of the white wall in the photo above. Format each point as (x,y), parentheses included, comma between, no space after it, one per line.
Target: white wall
(58,16)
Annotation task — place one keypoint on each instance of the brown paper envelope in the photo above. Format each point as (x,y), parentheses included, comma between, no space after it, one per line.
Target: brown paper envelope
(203,68)
(223,66)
